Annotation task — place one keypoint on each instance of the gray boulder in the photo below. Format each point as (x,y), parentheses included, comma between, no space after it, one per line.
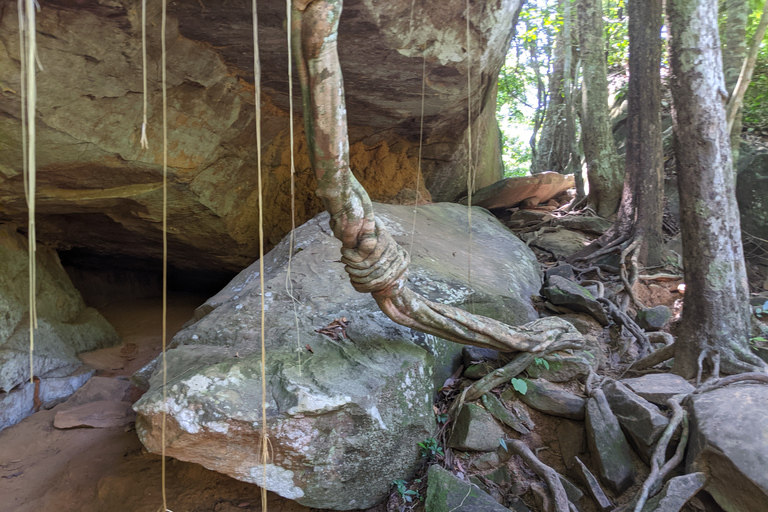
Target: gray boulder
(676,493)
(343,420)
(728,442)
(562,292)
(549,399)
(657,388)
(475,430)
(447,493)
(653,319)
(640,419)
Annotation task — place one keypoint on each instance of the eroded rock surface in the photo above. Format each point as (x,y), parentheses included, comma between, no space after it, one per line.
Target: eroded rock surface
(343,420)
(97,188)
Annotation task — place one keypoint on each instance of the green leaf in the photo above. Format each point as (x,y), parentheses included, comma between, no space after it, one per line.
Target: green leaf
(519,385)
(540,361)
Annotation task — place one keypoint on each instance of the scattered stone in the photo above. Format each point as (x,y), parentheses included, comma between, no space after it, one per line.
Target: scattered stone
(563,292)
(492,491)
(593,486)
(522,217)
(657,388)
(17,404)
(491,460)
(99,414)
(595,225)
(653,319)
(676,493)
(574,493)
(509,398)
(584,323)
(446,493)
(607,444)
(475,430)
(728,443)
(511,192)
(479,370)
(501,413)
(562,366)
(500,476)
(550,399)
(471,355)
(55,390)
(562,243)
(516,504)
(640,419)
(98,389)
(572,440)
(563,270)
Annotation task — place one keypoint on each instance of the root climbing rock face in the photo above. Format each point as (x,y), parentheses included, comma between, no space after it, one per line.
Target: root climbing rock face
(375,263)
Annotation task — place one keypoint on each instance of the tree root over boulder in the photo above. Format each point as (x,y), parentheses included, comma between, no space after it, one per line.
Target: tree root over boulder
(375,263)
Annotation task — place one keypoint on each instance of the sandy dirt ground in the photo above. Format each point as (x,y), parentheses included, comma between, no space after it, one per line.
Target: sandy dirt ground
(43,468)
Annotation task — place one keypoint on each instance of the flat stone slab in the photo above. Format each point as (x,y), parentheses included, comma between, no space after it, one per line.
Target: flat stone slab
(16,405)
(98,389)
(729,443)
(550,399)
(501,413)
(447,493)
(608,446)
(676,493)
(100,414)
(511,192)
(657,388)
(475,430)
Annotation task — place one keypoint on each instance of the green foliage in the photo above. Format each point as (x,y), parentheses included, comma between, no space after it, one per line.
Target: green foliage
(759,311)
(519,385)
(430,449)
(616,34)
(401,486)
(541,362)
(442,418)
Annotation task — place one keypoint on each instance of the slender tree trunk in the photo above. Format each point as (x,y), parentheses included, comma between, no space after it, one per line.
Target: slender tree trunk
(605,172)
(642,199)
(734,53)
(554,149)
(716,314)
(736,99)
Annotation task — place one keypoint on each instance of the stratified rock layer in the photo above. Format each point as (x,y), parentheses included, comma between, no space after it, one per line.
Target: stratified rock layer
(99,190)
(343,420)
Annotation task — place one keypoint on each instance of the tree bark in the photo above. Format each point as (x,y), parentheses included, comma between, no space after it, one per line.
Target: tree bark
(716,313)
(554,148)
(605,173)
(375,263)
(643,199)
(734,53)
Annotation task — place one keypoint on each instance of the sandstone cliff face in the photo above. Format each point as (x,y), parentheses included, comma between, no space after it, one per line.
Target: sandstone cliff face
(97,189)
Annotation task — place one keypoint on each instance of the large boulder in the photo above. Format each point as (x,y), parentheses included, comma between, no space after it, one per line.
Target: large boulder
(729,443)
(97,188)
(751,184)
(343,420)
(66,327)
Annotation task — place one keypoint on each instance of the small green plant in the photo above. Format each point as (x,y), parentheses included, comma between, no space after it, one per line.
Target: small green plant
(754,340)
(442,418)
(404,492)
(541,362)
(519,385)
(430,448)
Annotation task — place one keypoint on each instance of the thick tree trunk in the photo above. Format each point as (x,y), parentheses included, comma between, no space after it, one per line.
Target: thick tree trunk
(375,263)
(605,172)
(716,314)
(734,53)
(642,199)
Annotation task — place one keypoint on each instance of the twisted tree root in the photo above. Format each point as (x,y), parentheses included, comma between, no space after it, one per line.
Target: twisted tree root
(546,473)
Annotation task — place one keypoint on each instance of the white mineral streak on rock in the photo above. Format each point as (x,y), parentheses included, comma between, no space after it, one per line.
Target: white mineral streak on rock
(279,480)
